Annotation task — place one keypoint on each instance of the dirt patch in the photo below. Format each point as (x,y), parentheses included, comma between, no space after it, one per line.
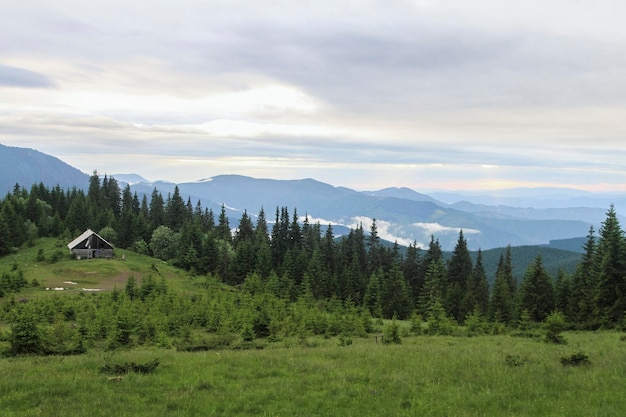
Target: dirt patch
(118,281)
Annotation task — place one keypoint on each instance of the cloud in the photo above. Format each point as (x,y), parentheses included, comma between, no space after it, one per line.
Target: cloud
(422,94)
(19,77)
(436,228)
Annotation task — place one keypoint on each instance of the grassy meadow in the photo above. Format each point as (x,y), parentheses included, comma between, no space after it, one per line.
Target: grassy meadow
(497,375)
(424,376)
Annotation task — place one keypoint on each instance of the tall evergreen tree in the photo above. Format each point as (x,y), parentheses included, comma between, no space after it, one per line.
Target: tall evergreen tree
(537,292)
(411,270)
(395,299)
(458,275)
(563,294)
(610,263)
(432,292)
(223,226)
(478,289)
(584,302)
(175,211)
(374,249)
(501,303)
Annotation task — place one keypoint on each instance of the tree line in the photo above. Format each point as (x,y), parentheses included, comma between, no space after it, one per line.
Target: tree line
(291,258)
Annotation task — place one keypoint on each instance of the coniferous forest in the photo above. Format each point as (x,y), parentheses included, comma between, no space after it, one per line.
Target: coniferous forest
(277,275)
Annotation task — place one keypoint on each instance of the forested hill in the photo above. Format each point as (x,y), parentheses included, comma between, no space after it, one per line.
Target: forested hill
(554,260)
(403,214)
(292,257)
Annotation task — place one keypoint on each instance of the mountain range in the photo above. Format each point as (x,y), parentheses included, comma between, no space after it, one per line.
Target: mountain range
(401,214)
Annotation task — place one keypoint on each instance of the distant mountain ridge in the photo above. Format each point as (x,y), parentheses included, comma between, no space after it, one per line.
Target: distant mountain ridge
(406,220)
(402,214)
(27,167)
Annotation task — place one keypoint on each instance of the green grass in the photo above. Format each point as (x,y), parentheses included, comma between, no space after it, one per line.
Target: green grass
(104,274)
(424,376)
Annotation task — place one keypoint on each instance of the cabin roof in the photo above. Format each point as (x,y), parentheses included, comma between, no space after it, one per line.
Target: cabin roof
(84,236)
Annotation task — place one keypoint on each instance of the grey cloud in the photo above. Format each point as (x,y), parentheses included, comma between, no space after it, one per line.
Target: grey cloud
(19,77)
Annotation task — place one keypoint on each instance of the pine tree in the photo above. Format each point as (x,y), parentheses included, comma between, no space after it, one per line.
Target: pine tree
(25,337)
(563,294)
(432,292)
(373,294)
(395,297)
(478,291)
(610,262)
(502,305)
(458,275)
(411,270)
(373,248)
(537,292)
(584,302)
(175,211)
(501,301)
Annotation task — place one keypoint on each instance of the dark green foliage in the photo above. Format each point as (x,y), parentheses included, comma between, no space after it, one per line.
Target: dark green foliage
(25,337)
(298,281)
(610,266)
(515,360)
(457,298)
(554,325)
(438,321)
(215,342)
(128,367)
(391,335)
(575,359)
(395,299)
(536,292)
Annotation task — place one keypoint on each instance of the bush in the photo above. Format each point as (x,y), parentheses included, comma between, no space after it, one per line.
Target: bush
(391,333)
(438,322)
(128,367)
(216,342)
(345,340)
(575,359)
(416,324)
(515,360)
(554,325)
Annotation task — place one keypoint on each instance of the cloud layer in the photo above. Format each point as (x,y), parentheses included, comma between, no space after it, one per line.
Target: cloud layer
(424,94)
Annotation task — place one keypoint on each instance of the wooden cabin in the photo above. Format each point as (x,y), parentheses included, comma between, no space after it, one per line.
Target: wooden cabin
(90,245)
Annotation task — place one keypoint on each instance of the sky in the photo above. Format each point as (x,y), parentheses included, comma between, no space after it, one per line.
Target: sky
(455,95)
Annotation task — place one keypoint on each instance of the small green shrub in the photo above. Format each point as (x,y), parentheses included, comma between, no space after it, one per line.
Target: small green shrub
(515,360)
(345,340)
(128,367)
(554,325)
(416,324)
(215,342)
(391,333)
(575,359)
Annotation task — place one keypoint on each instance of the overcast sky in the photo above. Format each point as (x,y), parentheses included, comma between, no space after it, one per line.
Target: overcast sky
(365,94)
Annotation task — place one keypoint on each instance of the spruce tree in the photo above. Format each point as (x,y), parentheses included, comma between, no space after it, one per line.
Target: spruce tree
(432,292)
(395,297)
(610,262)
(501,301)
(478,289)
(458,275)
(584,302)
(537,292)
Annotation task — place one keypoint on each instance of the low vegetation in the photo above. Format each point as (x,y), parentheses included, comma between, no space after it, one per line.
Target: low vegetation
(425,375)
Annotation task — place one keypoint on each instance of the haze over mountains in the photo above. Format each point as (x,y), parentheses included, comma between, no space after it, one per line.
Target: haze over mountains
(534,216)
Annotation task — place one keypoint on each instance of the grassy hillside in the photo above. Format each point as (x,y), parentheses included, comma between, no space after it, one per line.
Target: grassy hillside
(434,376)
(58,270)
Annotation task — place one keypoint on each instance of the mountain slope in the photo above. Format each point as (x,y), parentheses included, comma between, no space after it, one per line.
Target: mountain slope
(401,219)
(27,167)
(402,215)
